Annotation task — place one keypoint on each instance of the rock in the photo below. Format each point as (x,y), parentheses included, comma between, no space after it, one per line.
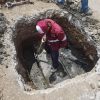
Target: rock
(95,31)
(69,17)
(78,24)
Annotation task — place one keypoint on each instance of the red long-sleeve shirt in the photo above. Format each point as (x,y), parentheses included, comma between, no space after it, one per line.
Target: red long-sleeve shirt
(55,36)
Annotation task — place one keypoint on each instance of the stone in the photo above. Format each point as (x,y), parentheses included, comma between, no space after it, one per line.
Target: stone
(95,31)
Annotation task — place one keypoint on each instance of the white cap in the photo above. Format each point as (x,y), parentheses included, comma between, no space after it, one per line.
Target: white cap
(38,28)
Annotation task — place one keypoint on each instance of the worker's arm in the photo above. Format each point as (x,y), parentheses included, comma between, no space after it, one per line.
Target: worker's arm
(62,40)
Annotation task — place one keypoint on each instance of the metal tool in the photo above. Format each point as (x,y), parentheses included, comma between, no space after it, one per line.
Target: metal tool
(74,60)
(40,47)
(65,69)
(12,4)
(38,63)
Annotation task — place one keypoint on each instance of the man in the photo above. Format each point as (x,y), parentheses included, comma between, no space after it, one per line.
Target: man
(54,38)
(84,7)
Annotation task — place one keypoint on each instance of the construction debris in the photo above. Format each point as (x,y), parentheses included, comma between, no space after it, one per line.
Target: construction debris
(13,4)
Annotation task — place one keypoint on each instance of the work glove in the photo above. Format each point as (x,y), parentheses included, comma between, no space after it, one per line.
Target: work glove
(43,39)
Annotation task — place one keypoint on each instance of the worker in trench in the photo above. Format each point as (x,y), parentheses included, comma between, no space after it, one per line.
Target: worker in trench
(54,38)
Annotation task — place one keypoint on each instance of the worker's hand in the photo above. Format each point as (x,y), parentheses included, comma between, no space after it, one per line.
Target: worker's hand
(43,38)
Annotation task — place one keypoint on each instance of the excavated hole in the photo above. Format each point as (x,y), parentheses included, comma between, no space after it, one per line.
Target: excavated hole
(79,58)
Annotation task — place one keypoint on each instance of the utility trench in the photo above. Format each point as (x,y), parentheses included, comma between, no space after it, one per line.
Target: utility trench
(78,58)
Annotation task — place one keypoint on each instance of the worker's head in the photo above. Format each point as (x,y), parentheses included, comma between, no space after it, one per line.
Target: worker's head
(43,26)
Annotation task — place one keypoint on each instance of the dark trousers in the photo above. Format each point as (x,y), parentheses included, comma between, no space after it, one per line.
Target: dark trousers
(84,7)
(54,55)
(60,1)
